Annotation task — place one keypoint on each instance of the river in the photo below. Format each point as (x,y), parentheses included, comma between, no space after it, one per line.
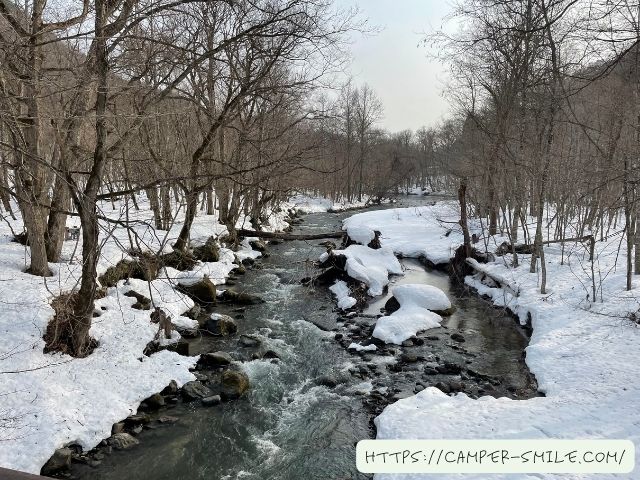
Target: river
(290,427)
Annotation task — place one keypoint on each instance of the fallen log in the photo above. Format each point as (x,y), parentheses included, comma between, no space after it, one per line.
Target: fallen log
(289,236)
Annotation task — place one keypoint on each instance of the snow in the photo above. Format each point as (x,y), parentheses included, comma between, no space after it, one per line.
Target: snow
(343,294)
(412,232)
(424,296)
(414,314)
(372,267)
(316,204)
(582,352)
(52,400)
(362,348)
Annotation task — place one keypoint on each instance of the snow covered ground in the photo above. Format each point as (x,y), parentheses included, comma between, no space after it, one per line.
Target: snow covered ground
(48,401)
(313,204)
(583,353)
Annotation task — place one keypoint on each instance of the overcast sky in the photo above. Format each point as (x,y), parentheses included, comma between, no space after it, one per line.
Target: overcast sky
(395,64)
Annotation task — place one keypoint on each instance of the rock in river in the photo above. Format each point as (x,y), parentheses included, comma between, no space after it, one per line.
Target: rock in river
(234,384)
(219,324)
(122,441)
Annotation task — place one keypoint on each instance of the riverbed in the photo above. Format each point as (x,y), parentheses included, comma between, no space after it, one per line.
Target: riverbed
(307,409)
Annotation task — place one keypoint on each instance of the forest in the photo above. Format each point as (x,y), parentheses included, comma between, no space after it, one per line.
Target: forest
(160,150)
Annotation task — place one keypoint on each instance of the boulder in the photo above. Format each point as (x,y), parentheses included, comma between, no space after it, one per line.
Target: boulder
(234,384)
(258,245)
(202,292)
(249,341)
(457,337)
(241,298)
(195,390)
(122,441)
(215,359)
(60,460)
(328,381)
(209,252)
(170,389)
(219,324)
(155,401)
(211,401)
(392,305)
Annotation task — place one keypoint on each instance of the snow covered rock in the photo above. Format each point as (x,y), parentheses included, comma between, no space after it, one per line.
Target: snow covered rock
(371,267)
(415,313)
(343,294)
(425,296)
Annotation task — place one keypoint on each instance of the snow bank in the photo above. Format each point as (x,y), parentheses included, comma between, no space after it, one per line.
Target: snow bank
(372,267)
(412,232)
(341,290)
(581,352)
(48,401)
(423,296)
(314,204)
(414,314)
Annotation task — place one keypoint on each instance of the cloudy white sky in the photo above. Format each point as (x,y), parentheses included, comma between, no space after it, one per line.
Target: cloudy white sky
(395,64)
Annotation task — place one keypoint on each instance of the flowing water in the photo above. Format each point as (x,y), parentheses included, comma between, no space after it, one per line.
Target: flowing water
(290,427)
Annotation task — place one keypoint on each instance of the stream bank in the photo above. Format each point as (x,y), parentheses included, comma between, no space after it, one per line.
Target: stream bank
(307,408)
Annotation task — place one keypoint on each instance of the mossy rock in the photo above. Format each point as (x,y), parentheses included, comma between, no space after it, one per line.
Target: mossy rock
(209,252)
(202,292)
(234,384)
(143,268)
(179,260)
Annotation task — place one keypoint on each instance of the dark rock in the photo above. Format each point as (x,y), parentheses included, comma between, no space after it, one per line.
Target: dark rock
(234,384)
(170,389)
(338,336)
(211,401)
(327,381)
(408,358)
(457,337)
(167,419)
(240,298)
(155,401)
(443,387)
(209,252)
(392,305)
(202,292)
(117,427)
(188,332)
(455,385)
(60,460)
(138,419)
(194,391)
(179,260)
(142,303)
(194,312)
(407,343)
(249,341)
(433,337)
(122,441)
(447,312)
(219,324)
(258,245)
(449,368)
(270,354)
(215,359)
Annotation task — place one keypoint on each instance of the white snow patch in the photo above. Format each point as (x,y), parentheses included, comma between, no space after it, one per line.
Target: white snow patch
(372,267)
(341,290)
(362,348)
